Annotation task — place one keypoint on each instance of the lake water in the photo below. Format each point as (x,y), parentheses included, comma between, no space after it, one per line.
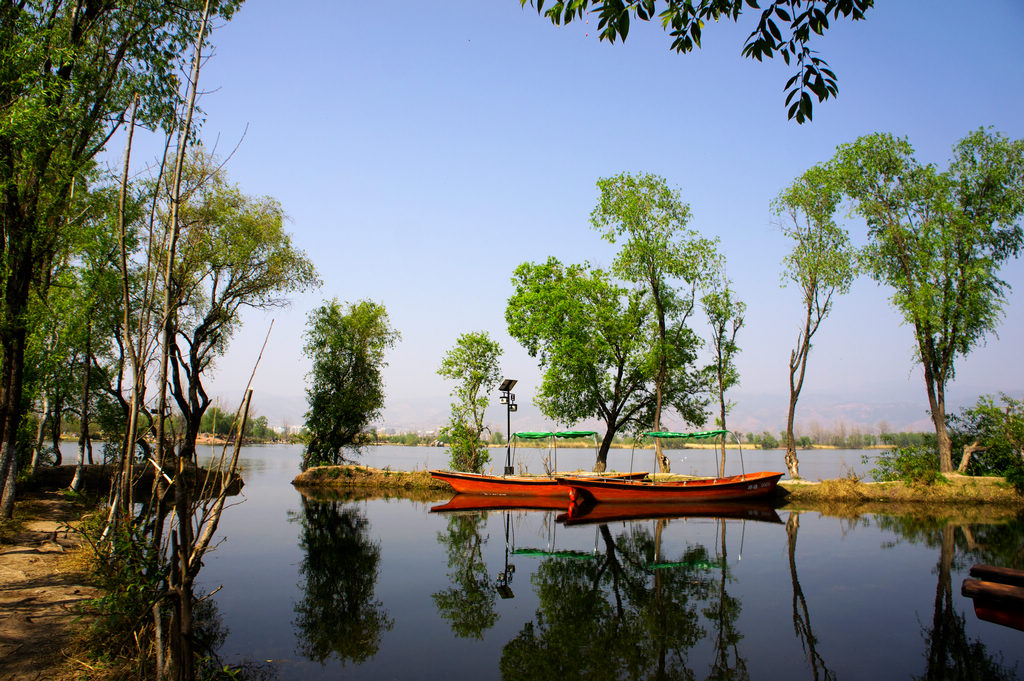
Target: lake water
(387,589)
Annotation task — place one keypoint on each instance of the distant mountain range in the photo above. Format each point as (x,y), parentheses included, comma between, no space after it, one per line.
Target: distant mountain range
(753,413)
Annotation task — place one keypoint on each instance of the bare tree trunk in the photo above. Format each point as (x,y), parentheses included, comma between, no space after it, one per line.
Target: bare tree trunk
(56,426)
(969,450)
(797,371)
(37,450)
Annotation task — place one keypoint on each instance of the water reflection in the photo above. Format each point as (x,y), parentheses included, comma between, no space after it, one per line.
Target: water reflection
(468,604)
(338,615)
(950,653)
(631,613)
(801,613)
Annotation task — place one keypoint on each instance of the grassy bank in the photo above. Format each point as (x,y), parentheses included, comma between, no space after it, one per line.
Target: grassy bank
(952,489)
(367,477)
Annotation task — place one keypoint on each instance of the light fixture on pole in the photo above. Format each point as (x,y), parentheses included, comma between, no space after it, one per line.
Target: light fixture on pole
(508,398)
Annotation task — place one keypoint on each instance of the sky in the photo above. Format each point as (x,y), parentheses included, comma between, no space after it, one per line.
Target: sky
(424,150)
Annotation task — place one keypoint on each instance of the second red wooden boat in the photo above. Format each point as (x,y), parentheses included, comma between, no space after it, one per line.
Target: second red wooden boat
(750,485)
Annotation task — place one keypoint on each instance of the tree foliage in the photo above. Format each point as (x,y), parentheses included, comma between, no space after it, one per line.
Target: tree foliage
(725,313)
(68,74)
(822,264)
(659,253)
(473,363)
(346,390)
(234,254)
(786,27)
(595,341)
(996,431)
(938,239)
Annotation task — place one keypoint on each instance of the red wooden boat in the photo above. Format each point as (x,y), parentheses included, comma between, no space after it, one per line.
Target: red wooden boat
(614,512)
(998,595)
(520,485)
(747,486)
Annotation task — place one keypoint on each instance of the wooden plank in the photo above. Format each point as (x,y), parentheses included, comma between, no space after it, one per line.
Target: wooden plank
(991,573)
(993,591)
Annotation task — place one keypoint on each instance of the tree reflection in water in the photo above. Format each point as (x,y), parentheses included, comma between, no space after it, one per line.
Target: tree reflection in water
(468,605)
(950,654)
(338,614)
(801,614)
(627,615)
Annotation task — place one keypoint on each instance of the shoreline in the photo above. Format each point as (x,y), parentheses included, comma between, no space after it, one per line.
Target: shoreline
(955,489)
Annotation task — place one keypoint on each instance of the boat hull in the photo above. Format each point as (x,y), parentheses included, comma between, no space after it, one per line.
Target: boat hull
(514,485)
(588,514)
(748,486)
(468,502)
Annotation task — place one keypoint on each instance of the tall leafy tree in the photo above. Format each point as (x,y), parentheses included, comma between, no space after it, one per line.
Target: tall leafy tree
(595,341)
(938,239)
(473,363)
(659,253)
(346,391)
(725,313)
(234,254)
(822,265)
(68,72)
(784,27)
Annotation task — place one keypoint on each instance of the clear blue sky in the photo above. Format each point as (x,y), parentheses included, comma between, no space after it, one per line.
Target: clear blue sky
(423,150)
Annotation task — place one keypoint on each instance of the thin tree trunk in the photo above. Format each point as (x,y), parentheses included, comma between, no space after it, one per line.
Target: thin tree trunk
(182,662)
(56,424)
(83,437)
(37,450)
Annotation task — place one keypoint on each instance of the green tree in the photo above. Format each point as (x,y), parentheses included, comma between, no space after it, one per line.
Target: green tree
(600,357)
(939,239)
(786,27)
(658,251)
(473,363)
(235,254)
(992,435)
(725,315)
(822,264)
(68,73)
(346,391)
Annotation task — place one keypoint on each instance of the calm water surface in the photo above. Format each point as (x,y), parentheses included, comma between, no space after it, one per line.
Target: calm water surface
(387,589)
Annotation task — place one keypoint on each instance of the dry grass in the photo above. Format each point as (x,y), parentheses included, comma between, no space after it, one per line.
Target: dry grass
(952,489)
(367,477)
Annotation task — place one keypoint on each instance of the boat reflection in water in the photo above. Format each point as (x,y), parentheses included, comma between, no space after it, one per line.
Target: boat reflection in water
(628,608)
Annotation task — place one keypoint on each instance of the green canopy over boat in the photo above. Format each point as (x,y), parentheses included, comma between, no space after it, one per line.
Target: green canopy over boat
(698,435)
(574,434)
(532,435)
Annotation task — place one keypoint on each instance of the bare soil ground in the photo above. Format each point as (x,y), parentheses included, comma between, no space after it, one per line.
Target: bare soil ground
(42,587)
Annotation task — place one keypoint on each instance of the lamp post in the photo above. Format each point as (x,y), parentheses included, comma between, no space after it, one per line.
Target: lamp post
(509,400)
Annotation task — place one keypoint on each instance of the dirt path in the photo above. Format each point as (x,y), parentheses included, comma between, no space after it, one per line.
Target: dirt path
(40,589)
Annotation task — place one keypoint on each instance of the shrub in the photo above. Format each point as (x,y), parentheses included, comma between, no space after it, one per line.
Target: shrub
(913,464)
